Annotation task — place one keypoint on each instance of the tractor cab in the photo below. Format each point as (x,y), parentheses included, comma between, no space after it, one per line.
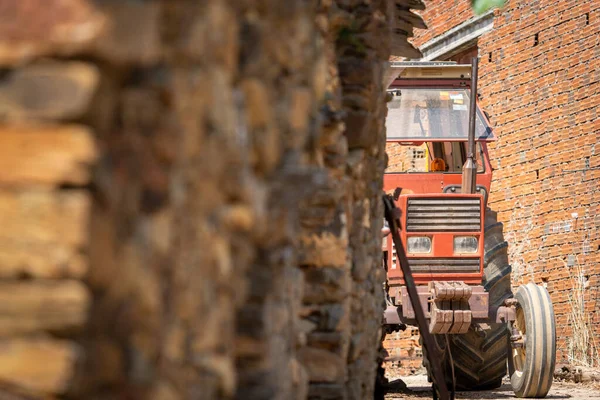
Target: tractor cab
(427,123)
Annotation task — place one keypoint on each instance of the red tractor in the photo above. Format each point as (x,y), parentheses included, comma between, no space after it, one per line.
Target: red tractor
(454,246)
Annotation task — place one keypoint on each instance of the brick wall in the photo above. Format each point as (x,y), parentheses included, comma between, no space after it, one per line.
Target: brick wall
(539,81)
(406,158)
(542,89)
(404,352)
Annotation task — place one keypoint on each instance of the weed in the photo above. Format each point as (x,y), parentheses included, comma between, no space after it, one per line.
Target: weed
(582,348)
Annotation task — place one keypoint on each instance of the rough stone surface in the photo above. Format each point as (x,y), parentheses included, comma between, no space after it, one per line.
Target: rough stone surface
(54,306)
(38,366)
(45,201)
(43,234)
(45,155)
(32,28)
(48,90)
(324,249)
(131,34)
(322,365)
(191,197)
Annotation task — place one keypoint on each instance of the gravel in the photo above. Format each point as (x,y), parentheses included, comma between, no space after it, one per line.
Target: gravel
(417,387)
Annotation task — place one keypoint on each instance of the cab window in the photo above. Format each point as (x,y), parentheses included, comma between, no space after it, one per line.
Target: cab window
(435,157)
(425,114)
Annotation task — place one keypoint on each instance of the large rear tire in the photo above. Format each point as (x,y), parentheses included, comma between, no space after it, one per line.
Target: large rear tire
(532,364)
(479,356)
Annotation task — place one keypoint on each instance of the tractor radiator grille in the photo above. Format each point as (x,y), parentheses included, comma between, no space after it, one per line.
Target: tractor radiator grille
(439,214)
(444,265)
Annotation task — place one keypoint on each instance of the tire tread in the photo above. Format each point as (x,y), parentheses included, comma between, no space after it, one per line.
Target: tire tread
(480,359)
(536,379)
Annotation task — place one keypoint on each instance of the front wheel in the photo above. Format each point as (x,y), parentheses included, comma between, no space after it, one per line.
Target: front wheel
(533,343)
(479,355)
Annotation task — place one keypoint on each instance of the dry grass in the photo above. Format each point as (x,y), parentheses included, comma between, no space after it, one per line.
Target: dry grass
(582,348)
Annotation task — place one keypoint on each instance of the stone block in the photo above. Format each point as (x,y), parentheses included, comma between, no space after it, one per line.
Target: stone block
(266,141)
(356,346)
(325,191)
(331,341)
(355,163)
(325,285)
(30,28)
(48,90)
(329,318)
(357,101)
(45,216)
(43,233)
(47,155)
(365,368)
(258,108)
(40,366)
(300,379)
(164,390)
(222,368)
(357,71)
(301,108)
(206,30)
(132,32)
(360,131)
(362,264)
(237,217)
(325,249)
(327,391)
(316,217)
(106,358)
(322,365)
(321,78)
(158,230)
(33,306)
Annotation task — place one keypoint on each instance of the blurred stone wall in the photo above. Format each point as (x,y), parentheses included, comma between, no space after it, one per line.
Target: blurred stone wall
(46,155)
(190,198)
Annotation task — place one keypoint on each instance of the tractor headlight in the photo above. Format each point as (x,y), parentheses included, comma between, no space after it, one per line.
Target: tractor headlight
(418,244)
(465,244)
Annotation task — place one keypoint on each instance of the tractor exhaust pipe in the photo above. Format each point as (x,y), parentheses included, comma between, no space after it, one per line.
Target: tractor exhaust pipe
(470,168)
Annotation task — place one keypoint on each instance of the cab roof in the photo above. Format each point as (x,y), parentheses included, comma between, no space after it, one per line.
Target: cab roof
(427,70)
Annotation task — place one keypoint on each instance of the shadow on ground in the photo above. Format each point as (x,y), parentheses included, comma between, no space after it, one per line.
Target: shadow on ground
(398,389)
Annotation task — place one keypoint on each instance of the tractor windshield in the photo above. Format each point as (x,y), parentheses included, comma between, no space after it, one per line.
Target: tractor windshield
(416,114)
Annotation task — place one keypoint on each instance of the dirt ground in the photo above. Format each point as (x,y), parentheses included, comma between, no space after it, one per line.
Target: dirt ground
(417,387)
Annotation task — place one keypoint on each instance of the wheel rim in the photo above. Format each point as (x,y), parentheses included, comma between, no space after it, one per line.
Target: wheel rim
(519,343)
